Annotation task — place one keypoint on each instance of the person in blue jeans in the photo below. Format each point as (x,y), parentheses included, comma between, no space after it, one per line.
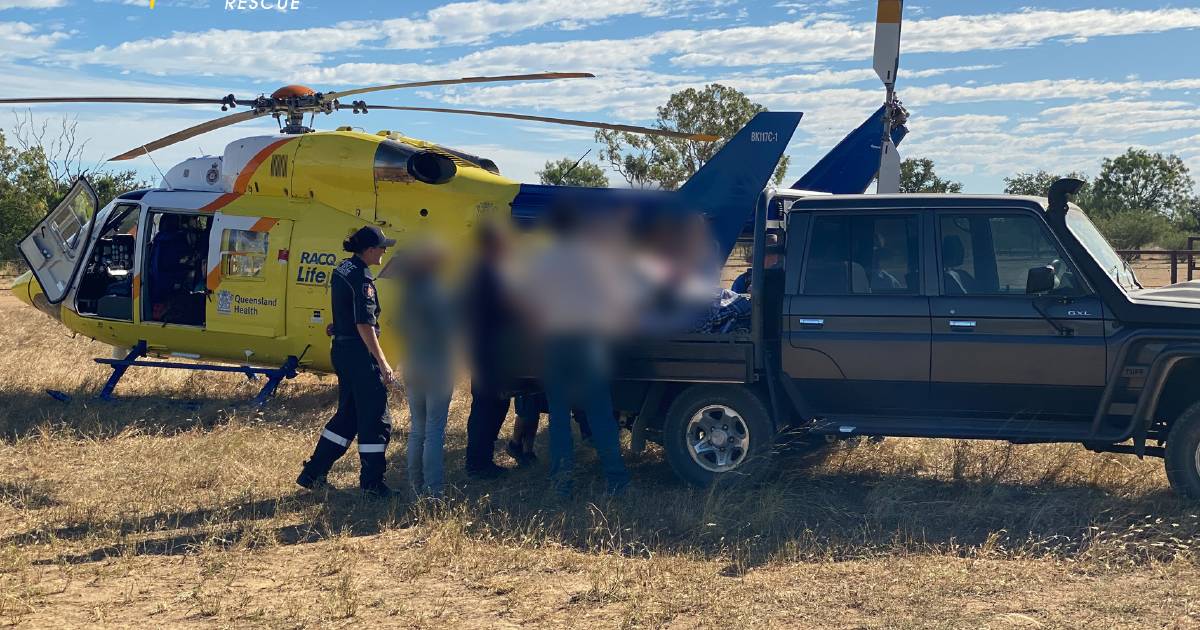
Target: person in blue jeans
(576,376)
(427,323)
(578,297)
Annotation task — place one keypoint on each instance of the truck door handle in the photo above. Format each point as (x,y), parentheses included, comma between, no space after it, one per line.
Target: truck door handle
(962,324)
(812,322)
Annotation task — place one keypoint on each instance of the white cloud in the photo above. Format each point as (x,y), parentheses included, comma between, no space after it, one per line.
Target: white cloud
(31,4)
(479,21)
(24,40)
(221,52)
(1129,116)
(811,40)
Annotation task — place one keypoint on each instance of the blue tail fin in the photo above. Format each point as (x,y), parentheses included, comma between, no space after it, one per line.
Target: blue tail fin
(727,187)
(853,163)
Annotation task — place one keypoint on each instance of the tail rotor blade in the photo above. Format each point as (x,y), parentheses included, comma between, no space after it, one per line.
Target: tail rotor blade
(889,169)
(887,40)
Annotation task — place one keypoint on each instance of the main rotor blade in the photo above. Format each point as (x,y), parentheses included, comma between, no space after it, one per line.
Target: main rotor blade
(153,100)
(506,77)
(887,40)
(190,132)
(649,131)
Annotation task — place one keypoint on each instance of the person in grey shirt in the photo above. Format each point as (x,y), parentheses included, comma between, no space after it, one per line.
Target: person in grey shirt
(427,321)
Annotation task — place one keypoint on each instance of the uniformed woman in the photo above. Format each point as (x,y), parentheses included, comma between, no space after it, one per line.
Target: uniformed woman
(363,372)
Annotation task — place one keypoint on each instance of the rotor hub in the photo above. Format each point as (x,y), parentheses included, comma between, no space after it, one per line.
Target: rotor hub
(292,91)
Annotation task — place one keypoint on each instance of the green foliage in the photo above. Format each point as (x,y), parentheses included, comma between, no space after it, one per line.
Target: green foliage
(1135,230)
(1037,184)
(566,172)
(917,176)
(651,161)
(1142,181)
(1139,200)
(36,172)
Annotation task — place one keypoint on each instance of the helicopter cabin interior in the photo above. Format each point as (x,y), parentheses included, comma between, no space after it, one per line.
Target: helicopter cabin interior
(173,273)
(106,284)
(174,287)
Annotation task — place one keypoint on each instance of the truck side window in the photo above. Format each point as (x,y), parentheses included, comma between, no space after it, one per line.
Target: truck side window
(992,254)
(863,255)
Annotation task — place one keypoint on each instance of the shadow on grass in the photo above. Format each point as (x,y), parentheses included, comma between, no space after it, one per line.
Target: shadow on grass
(26,413)
(794,513)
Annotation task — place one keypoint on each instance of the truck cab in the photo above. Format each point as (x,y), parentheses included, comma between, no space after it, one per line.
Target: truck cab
(942,316)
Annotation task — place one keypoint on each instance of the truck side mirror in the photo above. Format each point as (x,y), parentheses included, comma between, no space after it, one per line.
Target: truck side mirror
(1040,280)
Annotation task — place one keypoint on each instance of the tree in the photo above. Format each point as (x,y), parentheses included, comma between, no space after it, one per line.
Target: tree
(38,164)
(917,176)
(568,172)
(653,161)
(1037,184)
(1135,229)
(1140,181)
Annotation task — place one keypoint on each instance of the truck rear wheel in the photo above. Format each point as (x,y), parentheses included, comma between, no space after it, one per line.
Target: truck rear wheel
(1183,453)
(714,432)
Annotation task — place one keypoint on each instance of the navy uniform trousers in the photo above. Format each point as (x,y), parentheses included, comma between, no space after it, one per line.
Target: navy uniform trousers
(362,412)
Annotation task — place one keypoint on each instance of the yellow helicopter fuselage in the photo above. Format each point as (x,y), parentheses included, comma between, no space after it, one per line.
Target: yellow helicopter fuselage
(278,209)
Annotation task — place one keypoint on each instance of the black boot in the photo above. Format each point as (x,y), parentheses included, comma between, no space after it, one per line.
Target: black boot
(313,474)
(310,480)
(377,490)
(371,479)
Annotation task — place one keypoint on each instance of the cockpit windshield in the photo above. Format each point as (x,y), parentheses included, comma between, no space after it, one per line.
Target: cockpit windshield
(1116,267)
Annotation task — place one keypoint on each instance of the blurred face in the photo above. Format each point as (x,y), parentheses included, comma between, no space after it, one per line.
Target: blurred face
(373,255)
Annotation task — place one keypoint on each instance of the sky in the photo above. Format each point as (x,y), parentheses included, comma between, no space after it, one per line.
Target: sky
(993,87)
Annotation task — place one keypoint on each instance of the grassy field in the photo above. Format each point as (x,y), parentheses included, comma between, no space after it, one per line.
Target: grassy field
(176,507)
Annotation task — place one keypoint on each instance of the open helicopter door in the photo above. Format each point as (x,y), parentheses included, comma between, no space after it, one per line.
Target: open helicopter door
(54,249)
(248,275)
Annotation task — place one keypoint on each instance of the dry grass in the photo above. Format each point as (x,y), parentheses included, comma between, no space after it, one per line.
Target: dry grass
(176,507)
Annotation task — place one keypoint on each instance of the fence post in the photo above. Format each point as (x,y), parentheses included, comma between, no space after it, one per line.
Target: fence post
(1174,266)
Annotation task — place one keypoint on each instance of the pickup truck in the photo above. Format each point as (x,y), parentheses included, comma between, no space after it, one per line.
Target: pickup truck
(941,316)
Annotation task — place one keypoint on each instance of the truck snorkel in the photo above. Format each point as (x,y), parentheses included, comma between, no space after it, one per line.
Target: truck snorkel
(1060,193)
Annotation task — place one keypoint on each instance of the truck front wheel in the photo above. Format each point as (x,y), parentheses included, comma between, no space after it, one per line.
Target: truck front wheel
(715,431)
(1183,453)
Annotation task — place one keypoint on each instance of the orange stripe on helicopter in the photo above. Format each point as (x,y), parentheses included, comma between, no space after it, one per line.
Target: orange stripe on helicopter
(263,225)
(243,180)
(889,11)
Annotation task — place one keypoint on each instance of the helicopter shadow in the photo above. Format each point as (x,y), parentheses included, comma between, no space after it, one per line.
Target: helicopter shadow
(24,413)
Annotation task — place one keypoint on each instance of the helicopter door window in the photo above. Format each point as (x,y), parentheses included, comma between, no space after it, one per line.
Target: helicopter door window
(176,268)
(244,254)
(106,285)
(54,249)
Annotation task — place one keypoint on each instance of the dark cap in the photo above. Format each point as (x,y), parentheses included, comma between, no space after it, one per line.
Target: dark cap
(370,236)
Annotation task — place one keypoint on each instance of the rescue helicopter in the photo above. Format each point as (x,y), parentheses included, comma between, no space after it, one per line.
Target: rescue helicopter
(230,258)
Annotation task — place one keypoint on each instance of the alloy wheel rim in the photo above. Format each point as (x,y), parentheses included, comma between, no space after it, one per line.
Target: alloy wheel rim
(718,438)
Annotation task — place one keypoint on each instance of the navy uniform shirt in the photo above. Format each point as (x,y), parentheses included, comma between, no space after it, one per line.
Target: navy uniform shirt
(354,298)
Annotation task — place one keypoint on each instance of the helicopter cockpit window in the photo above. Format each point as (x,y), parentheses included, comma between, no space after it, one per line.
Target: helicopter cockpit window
(244,253)
(106,286)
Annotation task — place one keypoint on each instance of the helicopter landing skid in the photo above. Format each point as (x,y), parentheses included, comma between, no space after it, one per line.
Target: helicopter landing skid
(134,359)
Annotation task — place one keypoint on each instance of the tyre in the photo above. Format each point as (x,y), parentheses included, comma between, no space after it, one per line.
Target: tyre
(716,432)
(1183,453)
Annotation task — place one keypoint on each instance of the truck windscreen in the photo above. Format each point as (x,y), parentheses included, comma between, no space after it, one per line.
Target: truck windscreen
(1099,248)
